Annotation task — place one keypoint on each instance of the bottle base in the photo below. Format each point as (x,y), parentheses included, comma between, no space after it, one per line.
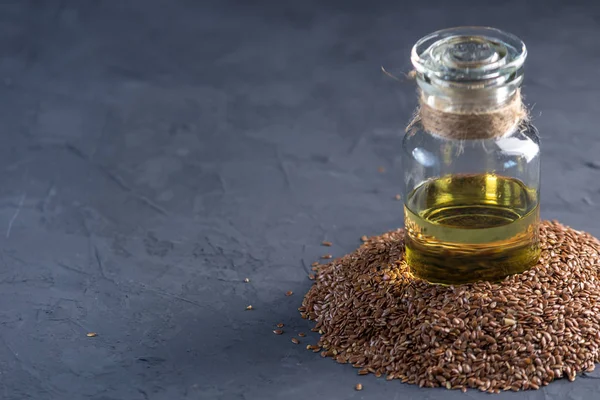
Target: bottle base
(456,269)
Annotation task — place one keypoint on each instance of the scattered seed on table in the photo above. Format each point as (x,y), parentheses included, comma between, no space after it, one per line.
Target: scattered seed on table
(358,387)
(398,197)
(92,334)
(249,308)
(247,280)
(302,334)
(326,243)
(311,277)
(289,293)
(295,341)
(280,325)
(315,264)
(327,256)
(517,334)
(278,331)
(381,170)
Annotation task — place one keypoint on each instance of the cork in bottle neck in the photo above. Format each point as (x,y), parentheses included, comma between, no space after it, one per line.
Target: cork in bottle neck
(469,80)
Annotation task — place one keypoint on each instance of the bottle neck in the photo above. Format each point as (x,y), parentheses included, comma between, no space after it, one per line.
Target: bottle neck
(466,100)
(475,113)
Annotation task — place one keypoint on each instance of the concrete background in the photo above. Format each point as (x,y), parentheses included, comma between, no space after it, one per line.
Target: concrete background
(153,154)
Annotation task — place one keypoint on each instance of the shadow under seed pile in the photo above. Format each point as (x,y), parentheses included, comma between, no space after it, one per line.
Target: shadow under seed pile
(517,334)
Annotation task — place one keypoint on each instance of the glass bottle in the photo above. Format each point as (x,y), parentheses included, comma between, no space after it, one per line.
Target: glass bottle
(471,160)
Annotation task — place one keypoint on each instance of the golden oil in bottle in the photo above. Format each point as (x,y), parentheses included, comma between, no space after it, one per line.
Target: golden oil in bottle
(467,228)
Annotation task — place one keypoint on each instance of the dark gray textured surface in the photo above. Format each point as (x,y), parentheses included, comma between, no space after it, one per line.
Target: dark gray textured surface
(153,154)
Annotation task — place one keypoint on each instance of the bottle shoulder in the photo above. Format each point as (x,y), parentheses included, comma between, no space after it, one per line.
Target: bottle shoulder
(526,137)
(430,150)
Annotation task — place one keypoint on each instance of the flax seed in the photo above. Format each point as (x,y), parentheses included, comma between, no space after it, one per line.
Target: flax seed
(517,334)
